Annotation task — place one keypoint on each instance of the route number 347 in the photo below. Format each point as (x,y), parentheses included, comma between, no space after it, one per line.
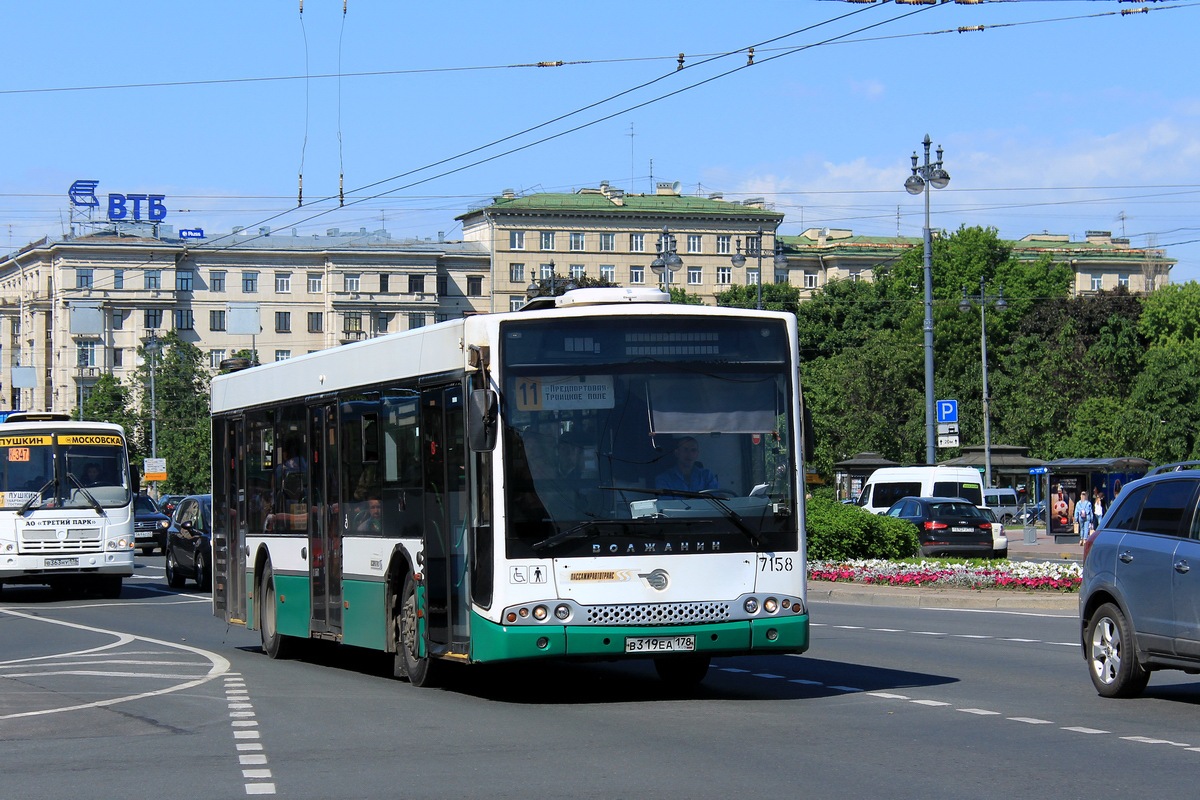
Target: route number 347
(776,564)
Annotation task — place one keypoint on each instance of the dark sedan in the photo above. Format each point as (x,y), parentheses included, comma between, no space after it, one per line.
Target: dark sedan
(946,526)
(149,524)
(189,543)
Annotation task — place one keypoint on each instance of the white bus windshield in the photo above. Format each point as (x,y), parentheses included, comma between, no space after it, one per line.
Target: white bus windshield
(63,470)
(619,431)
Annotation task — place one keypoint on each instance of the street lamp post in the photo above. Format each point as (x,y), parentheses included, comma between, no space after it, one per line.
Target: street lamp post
(534,289)
(930,174)
(754,249)
(668,259)
(964,306)
(152,354)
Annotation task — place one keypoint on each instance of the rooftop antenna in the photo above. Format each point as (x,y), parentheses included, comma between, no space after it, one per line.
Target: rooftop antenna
(632,168)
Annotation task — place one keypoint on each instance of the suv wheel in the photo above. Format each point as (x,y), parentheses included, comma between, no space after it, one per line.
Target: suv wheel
(1112,654)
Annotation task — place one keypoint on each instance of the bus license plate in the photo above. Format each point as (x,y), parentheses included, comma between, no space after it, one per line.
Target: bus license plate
(62,562)
(660,644)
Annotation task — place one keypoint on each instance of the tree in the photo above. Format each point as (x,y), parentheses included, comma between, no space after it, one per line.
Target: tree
(775,297)
(682,296)
(181,411)
(110,402)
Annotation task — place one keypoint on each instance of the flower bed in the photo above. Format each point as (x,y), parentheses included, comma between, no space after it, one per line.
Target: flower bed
(1044,576)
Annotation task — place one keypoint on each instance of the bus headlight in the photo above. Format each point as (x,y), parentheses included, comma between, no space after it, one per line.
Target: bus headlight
(770,605)
(540,612)
(562,611)
(751,605)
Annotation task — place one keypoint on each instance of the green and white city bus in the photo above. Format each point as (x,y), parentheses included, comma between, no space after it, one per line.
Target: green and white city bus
(66,503)
(601,475)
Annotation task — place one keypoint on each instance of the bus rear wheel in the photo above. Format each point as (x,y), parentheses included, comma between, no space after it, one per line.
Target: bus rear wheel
(417,670)
(274,643)
(682,671)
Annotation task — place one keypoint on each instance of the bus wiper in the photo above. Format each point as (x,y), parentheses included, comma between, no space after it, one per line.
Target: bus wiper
(589,529)
(755,538)
(36,496)
(94,503)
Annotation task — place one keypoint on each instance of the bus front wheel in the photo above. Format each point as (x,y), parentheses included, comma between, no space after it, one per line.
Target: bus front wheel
(274,643)
(417,670)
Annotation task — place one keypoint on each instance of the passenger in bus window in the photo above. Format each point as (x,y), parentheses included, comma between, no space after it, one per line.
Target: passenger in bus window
(91,474)
(370,520)
(688,474)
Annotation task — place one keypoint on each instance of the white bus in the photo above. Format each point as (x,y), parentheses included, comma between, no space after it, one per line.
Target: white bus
(506,487)
(66,513)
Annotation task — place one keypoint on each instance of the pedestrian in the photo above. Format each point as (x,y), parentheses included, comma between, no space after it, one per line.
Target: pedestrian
(1083,517)
(1098,505)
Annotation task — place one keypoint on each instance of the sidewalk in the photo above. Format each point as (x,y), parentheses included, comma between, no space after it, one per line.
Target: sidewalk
(1045,549)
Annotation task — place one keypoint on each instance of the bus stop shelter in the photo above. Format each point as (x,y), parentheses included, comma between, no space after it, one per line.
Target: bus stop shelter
(1066,478)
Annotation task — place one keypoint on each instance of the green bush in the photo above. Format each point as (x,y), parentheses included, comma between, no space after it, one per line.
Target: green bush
(837,531)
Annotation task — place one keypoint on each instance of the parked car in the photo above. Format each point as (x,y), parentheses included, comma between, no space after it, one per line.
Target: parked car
(149,524)
(1004,502)
(999,537)
(189,543)
(1139,602)
(946,525)
(167,503)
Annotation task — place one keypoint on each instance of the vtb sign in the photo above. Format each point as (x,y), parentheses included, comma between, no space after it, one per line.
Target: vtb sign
(121,207)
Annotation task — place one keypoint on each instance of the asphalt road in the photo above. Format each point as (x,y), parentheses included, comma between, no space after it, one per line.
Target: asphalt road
(151,696)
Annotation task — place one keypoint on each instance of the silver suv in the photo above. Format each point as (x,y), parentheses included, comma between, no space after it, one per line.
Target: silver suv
(1139,604)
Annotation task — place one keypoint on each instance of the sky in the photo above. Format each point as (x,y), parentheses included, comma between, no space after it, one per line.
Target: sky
(1059,117)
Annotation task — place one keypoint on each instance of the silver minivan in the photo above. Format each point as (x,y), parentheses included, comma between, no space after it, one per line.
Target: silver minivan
(1004,502)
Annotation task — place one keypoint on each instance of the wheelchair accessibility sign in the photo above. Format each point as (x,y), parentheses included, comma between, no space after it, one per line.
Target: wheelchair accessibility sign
(535,573)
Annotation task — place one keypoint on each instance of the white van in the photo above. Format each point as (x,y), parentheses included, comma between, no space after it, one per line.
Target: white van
(1004,502)
(888,484)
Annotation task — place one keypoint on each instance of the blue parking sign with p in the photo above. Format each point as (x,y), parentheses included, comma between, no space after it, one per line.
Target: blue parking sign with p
(947,411)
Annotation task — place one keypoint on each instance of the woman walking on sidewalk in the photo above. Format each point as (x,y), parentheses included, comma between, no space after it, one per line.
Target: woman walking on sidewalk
(1083,517)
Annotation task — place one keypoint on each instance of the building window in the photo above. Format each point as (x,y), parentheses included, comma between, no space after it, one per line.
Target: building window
(1123,280)
(608,272)
(118,357)
(855,274)
(515,301)
(416,319)
(83,278)
(1097,283)
(694,243)
(724,276)
(577,271)
(545,271)
(516,273)
(216,280)
(577,242)
(184,320)
(215,357)
(316,322)
(724,247)
(516,240)
(441,316)
(152,279)
(283,322)
(694,276)
(118,279)
(283,283)
(637,275)
(810,280)
(751,277)
(474,286)
(352,282)
(381,323)
(637,242)
(316,283)
(183,280)
(118,320)
(608,242)
(781,277)
(443,285)
(283,355)
(547,240)
(384,284)
(352,322)
(152,317)
(416,284)
(249,283)
(85,354)
(216,320)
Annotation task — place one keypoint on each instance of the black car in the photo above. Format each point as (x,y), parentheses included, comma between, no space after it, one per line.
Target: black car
(189,543)
(149,524)
(946,525)
(1139,603)
(167,503)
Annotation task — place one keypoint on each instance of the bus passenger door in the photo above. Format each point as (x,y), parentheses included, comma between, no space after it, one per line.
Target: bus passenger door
(324,535)
(445,528)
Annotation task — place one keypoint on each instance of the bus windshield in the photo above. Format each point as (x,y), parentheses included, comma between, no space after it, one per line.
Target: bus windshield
(625,430)
(63,470)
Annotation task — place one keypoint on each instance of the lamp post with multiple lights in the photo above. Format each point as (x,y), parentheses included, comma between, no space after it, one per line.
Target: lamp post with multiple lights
(534,290)
(754,249)
(924,176)
(668,259)
(964,305)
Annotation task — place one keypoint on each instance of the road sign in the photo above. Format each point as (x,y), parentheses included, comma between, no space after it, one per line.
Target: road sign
(948,428)
(1038,470)
(154,469)
(947,411)
(948,441)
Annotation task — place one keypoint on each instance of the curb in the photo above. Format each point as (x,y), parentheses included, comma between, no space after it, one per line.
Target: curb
(930,597)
